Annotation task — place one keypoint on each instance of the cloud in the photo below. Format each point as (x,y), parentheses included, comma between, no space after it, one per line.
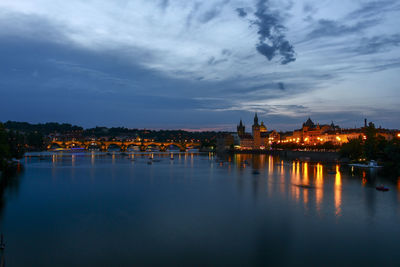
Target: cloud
(213,12)
(330,28)
(156,58)
(212,61)
(272,41)
(241,12)
(374,8)
(164,4)
(377,44)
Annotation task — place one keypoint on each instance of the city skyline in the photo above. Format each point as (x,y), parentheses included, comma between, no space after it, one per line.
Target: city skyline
(189,65)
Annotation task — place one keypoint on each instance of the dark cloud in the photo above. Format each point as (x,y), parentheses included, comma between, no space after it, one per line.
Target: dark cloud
(212,61)
(308,8)
(281,86)
(331,28)
(272,41)
(226,52)
(241,12)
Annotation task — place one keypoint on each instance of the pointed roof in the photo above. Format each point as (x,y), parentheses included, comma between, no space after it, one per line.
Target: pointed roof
(255,119)
(309,123)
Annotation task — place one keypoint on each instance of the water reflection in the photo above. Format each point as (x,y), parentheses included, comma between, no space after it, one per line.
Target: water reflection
(304,181)
(319,183)
(9,186)
(212,201)
(338,191)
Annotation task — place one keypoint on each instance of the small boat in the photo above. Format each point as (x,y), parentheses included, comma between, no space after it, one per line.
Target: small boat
(371,164)
(306,186)
(150,162)
(255,172)
(382,188)
(332,172)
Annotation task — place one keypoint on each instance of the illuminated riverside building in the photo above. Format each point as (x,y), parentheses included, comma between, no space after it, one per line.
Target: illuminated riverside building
(310,134)
(260,138)
(313,134)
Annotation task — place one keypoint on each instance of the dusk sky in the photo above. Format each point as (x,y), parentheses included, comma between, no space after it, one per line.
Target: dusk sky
(200,64)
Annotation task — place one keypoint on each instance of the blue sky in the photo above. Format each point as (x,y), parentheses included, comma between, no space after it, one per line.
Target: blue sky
(200,64)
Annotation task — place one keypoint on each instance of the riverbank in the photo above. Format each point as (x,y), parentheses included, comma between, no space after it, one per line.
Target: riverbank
(326,156)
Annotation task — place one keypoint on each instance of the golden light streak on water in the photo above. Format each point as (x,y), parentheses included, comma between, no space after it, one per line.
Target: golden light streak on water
(294,168)
(305,174)
(306,181)
(319,182)
(296,181)
(338,192)
(270,165)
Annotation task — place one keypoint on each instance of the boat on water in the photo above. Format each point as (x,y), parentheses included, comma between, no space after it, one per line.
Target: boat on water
(371,164)
(305,186)
(382,188)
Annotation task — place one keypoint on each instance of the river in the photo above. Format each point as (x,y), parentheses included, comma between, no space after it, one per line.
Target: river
(124,209)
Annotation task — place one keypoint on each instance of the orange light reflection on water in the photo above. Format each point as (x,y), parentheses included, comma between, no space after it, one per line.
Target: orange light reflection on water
(306,181)
(319,192)
(296,181)
(338,192)
(270,165)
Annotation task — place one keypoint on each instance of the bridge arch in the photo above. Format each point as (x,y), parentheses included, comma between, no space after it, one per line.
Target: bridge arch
(114,146)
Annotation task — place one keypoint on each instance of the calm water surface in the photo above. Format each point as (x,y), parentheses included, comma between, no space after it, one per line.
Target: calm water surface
(118,210)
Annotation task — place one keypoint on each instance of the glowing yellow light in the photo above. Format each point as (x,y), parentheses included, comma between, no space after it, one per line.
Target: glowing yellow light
(398,135)
(306,139)
(338,138)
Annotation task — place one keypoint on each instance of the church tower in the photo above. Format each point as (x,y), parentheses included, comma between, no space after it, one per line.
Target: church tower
(256,133)
(263,128)
(241,129)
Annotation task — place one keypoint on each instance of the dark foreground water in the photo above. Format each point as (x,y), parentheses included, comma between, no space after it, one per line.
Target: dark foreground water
(118,210)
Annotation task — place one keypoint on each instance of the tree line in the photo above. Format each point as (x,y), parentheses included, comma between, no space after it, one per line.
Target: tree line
(374,147)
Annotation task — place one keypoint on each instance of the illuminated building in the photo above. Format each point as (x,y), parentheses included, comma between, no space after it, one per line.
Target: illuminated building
(313,134)
(256,133)
(259,139)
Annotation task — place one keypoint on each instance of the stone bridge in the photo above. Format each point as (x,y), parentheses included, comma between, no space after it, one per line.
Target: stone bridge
(105,145)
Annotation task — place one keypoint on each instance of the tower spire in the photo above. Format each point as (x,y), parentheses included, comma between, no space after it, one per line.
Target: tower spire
(255,119)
